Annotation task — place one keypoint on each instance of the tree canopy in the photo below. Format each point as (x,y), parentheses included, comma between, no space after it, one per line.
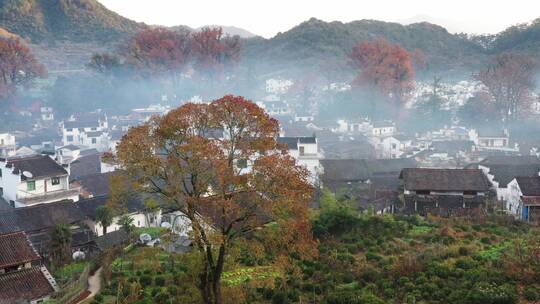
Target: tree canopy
(219,164)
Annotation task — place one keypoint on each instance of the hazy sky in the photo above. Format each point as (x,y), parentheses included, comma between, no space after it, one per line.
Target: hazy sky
(266,18)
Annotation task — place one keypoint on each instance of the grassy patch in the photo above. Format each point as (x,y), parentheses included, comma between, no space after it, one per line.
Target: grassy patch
(248,274)
(70,271)
(494,253)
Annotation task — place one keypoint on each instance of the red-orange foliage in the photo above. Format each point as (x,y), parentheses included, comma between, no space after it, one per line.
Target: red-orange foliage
(179,158)
(18,66)
(159,50)
(386,67)
(213,51)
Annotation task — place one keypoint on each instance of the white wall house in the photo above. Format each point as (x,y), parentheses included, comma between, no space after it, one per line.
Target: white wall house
(32,180)
(500,171)
(524,198)
(303,117)
(501,190)
(275,108)
(513,202)
(385,128)
(91,133)
(305,150)
(134,210)
(139,221)
(391,146)
(491,139)
(47,114)
(66,154)
(7,145)
(353,126)
(144,114)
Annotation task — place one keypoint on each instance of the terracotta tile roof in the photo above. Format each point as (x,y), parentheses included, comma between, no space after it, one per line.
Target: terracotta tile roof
(27,284)
(15,249)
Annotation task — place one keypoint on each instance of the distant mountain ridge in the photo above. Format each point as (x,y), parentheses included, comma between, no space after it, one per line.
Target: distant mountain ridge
(73,20)
(73,29)
(315,42)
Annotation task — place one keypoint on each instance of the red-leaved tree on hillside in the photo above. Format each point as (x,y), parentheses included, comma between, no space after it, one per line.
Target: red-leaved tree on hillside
(159,50)
(18,67)
(214,51)
(386,67)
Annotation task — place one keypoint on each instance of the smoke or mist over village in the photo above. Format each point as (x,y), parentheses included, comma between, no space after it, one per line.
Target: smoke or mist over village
(335,162)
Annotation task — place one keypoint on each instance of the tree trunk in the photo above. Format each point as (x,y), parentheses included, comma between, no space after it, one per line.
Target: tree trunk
(210,279)
(216,289)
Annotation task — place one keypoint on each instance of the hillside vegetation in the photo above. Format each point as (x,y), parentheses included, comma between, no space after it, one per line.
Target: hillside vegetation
(73,20)
(314,46)
(362,260)
(316,42)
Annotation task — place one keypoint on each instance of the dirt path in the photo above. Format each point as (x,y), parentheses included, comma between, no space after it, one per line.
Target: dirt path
(94,283)
(94,286)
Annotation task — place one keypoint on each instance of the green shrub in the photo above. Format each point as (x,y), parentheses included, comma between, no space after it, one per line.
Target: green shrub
(463,251)
(279,297)
(162,298)
(531,294)
(353,297)
(159,281)
(145,280)
(173,289)
(489,293)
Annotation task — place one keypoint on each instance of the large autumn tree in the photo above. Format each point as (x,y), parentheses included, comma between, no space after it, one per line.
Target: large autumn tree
(510,80)
(386,67)
(219,164)
(18,67)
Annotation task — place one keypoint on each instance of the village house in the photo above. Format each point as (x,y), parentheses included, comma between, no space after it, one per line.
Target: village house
(37,179)
(394,146)
(373,183)
(303,117)
(449,134)
(305,151)
(275,107)
(47,114)
(444,191)
(383,128)
(362,126)
(501,170)
(135,209)
(92,185)
(524,198)
(491,138)
(22,277)
(144,114)
(446,154)
(8,145)
(39,221)
(79,161)
(90,131)
(336,146)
